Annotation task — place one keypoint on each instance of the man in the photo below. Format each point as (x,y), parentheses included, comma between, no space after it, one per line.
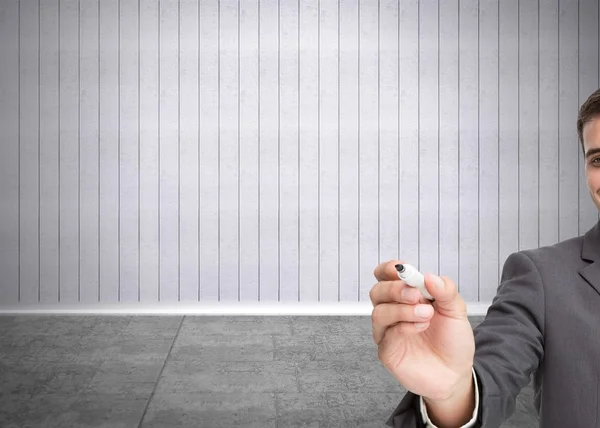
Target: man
(544,320)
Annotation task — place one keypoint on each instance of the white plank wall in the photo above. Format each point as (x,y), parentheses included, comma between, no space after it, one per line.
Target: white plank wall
(278,150)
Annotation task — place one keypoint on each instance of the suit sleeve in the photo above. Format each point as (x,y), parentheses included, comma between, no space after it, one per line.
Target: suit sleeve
(509,346)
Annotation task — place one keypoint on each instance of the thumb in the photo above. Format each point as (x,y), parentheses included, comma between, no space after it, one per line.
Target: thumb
(445,293)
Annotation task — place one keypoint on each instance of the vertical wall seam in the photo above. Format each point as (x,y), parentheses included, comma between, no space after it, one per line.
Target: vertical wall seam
(338,156)
(159,172)
(79,151)
(278,150)
(458,99)
(59,142)
(39,213)
(319,151)
(219,145)
(119,147)
(538,124)
(519,124)
(498,169)
(179,150)
(238,160)
(419,135)
(98,155)
(19,152)
(558,104)
(378,131)
(138,154)
(438,142)
(578,100)
(478,153)
(299,145)
(199,165)
(399,133)
(258,157)
(358,151)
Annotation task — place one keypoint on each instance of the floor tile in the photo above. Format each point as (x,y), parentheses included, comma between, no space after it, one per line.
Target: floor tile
(153,326)
(370,376)
(6,322)
(82,410)
(136,349)
(211,410)
(123,378)
(53,325)
(35,378)
(28,410)
(324,347)
(364,407)
(235,325)
(73,347)
(106,410)
(332,325)
(233,377)
(305,409)
(263,372)
(249,347)
(344,376)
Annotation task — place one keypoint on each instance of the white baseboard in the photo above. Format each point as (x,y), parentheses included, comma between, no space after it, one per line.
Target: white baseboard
(216,308)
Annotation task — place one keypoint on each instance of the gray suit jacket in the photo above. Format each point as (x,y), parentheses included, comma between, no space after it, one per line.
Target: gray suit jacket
(545,322)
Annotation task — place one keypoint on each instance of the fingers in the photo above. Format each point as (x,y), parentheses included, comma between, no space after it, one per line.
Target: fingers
(404,329)
(445,292)
(393,291)
(387,271)
(386,315)
(391,335)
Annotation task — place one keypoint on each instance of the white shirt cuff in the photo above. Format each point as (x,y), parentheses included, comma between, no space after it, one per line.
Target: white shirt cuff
(430,424)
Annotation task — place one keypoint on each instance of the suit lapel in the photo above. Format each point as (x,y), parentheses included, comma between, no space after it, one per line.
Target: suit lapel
(590,251)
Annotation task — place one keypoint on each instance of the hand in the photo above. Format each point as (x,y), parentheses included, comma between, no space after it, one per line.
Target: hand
(428,346)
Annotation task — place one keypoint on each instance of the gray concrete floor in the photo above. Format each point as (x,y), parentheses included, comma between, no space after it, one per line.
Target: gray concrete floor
(209,372)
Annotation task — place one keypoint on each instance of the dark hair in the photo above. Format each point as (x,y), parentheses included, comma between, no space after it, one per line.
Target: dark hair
(589,109)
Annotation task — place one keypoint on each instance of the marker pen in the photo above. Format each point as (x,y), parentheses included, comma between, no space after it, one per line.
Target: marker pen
(411,276)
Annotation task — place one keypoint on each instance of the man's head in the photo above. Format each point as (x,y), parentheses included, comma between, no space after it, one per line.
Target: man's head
(588,129)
